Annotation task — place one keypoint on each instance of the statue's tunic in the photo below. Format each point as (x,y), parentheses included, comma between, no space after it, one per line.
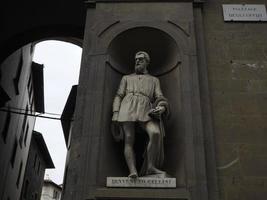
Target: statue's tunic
(135,96)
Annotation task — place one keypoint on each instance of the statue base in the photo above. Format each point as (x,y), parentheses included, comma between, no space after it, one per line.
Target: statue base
(141,182)
(141,194)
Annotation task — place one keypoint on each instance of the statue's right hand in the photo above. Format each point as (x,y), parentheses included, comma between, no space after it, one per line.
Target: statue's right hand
(115,116)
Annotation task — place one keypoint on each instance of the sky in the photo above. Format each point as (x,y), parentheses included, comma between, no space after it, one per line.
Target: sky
(61,70)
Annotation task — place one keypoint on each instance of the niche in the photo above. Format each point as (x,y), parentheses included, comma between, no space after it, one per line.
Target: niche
(161,47)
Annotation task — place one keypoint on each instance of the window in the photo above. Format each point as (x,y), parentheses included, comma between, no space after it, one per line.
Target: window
(18,73)
(19,174)
(30,87)
(35,196)
(38,170)
(30,92)
(4,96)
(55,194)
(6,125)
(69,139)
(25,189)
(14,151)
(26,134)
(35,159)
(23,127)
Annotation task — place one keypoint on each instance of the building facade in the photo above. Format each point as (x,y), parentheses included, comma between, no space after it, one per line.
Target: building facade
(67,118)
(38,160)
(51,191)
(22,82)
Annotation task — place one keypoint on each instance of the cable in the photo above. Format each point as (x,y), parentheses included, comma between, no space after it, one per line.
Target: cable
(33,115)
(25,110)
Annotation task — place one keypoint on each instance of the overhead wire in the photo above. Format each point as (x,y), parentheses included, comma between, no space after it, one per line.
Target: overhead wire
(21,109)
(40,115)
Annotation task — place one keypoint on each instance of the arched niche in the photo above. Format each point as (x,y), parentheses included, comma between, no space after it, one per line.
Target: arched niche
(161,47)
(167,61)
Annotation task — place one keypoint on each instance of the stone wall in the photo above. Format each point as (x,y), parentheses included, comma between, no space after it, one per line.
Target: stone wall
(237,71)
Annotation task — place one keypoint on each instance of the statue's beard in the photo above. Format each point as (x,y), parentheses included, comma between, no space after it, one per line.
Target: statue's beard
(140,68)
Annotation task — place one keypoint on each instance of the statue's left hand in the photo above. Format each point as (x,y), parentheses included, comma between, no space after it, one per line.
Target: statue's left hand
(158,111)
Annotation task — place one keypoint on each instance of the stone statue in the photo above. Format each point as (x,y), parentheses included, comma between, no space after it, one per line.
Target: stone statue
(139,99)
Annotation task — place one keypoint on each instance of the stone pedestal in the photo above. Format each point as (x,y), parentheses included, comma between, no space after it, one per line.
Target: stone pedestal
(144,194)
(142,182)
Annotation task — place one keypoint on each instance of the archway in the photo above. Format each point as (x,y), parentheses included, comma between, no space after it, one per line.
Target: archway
(18,115)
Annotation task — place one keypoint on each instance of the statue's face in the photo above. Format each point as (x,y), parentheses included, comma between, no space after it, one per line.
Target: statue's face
(140,63)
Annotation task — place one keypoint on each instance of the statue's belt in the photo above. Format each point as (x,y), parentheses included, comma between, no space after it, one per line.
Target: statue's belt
(139,94)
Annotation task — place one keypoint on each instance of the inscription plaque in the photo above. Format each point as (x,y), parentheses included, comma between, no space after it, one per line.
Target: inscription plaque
(244,12)
(142,182)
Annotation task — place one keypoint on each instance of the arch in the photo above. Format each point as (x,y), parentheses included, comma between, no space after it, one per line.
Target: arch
(66,33)
(116,28)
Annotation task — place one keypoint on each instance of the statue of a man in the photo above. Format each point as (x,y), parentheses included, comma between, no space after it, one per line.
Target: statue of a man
(139,99)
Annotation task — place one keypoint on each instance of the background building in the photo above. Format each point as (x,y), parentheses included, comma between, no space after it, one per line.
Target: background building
(38,160)
(51,191)
(22,81)
(67,123)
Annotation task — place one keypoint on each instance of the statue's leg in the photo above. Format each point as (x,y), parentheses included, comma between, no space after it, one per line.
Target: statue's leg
(129,131)
(153,131)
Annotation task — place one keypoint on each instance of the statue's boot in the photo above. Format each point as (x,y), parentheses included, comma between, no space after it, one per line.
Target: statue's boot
(133,175)
(154,170)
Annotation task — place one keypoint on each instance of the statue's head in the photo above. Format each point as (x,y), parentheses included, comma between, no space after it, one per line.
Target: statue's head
(142,60)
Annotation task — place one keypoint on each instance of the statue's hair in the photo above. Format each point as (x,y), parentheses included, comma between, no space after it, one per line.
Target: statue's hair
(145,54)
